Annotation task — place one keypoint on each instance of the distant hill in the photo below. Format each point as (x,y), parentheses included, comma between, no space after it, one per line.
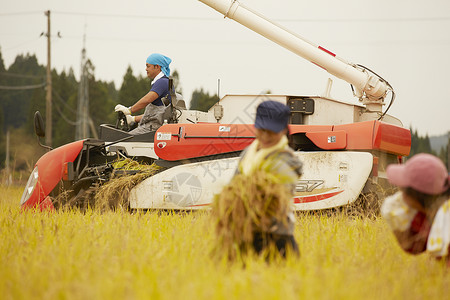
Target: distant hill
(439,141)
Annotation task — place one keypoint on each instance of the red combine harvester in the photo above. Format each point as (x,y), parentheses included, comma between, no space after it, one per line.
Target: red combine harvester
(345,147)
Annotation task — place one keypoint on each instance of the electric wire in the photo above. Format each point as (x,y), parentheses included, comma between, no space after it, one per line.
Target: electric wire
(21,75)
(21,44)
(21,13)
(58,97)
(184,18)
(62,115)
(23,87)
(63,101)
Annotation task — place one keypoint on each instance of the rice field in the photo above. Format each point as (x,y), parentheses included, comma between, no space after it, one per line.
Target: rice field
(118,255)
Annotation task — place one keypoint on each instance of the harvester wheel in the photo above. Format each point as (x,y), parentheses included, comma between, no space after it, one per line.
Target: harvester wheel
(82,200)
(367,205)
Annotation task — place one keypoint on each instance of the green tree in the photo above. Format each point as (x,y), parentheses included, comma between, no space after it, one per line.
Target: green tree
(65,93)
(2,64)
(2,141)
(17,99)
(202,101)
(101,105)
(420,144)
(112,92)
(444,152)
(24,72)
(133,88)
(2,137)
(176,81)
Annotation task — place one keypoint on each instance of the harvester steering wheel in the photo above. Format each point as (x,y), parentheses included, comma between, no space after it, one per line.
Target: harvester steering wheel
(121,122)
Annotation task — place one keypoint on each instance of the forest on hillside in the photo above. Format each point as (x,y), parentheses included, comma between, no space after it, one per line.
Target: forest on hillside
(23,91)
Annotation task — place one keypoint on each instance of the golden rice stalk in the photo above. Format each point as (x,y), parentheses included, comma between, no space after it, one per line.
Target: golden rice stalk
(114,193)
(246,205)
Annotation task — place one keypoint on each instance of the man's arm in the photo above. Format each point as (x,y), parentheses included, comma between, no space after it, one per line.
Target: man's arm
(142,103)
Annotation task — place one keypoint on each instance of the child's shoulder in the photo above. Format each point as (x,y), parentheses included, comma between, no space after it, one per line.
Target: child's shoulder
(288,157)
(439,238)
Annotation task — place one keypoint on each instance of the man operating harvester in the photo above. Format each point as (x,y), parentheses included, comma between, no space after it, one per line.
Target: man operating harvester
(157,68)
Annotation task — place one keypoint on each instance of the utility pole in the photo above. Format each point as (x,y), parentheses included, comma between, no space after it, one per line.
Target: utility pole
(82,129)
(8,180)
(48,100)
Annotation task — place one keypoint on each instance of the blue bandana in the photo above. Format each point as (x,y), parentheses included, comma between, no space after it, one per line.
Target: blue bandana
(160,60)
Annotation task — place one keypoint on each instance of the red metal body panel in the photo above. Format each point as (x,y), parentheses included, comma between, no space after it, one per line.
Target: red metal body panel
(293,129)
(184,141)
(376,135)
(329,140)
(46,204)
(50,170)
(392,139)
(359,135)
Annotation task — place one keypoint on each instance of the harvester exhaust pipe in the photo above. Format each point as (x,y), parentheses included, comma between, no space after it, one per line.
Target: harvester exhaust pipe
(368,88)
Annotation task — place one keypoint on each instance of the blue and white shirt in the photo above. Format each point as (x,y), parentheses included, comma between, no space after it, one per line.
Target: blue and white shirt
(160,85)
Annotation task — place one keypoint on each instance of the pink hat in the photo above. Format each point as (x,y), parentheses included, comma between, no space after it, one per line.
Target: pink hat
(423,172)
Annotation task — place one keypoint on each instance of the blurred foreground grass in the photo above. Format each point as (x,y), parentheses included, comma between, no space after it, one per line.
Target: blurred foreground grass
(118,255)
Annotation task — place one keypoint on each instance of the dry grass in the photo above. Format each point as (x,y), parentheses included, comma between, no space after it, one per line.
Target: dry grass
(246,205)
(111,195)
(114,193)
(118,255)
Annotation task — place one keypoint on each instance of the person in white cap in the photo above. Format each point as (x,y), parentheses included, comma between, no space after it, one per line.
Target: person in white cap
(419,214)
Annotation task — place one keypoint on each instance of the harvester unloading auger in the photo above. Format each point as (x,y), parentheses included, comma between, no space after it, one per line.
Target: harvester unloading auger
(345,147)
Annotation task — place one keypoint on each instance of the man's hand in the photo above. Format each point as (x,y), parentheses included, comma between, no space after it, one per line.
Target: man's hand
(130,119)
(126,110)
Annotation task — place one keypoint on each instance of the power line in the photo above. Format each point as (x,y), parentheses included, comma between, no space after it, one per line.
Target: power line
(136,16)
(244,42)
(20,75)
(63,116)
(21,44)
(64,102)
(20,13)
(381,20)
(23,87)
(407,19)
(184,18)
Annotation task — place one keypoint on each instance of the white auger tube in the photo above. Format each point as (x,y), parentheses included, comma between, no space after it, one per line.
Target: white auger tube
(365,85)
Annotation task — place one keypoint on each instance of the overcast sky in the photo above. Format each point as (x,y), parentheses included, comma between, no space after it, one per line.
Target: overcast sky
(405,42)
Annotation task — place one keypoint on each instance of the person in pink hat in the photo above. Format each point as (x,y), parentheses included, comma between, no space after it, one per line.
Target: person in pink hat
(419,214)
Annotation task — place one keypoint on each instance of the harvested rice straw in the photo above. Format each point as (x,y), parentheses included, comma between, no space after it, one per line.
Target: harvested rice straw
(246,205)
(114,193)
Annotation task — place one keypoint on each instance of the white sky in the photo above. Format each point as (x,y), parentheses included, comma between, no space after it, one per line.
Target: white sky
(407,42)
